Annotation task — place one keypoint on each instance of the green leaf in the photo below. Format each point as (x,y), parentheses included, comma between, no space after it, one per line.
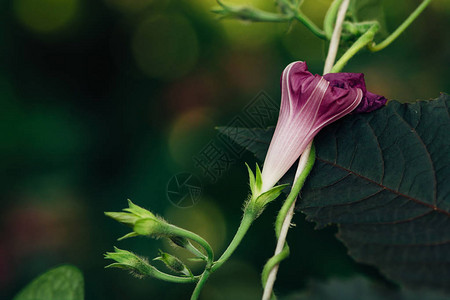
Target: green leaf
(361,289)
(383,177)
(61,283)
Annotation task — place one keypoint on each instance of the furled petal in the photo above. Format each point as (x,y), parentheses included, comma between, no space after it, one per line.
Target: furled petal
(369,102)
(354,80)
(308,103)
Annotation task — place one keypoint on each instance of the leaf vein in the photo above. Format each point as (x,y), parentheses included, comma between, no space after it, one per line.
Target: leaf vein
(435,208)
(428,156)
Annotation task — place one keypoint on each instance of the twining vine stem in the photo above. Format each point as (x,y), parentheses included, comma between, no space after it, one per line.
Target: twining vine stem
(336,37)
(246,222)
(283,221)
(331,57)
(372,47)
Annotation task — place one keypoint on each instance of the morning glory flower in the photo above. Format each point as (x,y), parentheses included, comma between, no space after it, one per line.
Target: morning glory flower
(309,103)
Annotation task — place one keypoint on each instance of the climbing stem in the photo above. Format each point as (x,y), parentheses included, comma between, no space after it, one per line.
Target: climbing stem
(283,222)
(246,222)
(377,47)
(330,18)
(360,43)
(198,288)
(302,18)
(295,189)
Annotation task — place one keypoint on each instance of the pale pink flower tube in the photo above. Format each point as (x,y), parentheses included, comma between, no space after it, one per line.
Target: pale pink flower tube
(308,103)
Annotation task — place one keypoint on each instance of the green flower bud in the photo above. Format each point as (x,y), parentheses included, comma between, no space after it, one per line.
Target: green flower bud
(173,263)
(180,241)
(151,227)
(131,262)
(186,244)
(133,215)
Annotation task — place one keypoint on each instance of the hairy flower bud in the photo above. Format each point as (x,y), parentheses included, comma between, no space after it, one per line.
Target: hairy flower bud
(173,263)
(130,261)
(141,220)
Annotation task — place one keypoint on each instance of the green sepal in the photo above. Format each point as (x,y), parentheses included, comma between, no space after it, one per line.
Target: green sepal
(251,179)
(258,180)
(151,227)
(255,205)
(138,211)
(131,214)
(124,218)
(174,263)
(270,195)
(255,182)
(128,235)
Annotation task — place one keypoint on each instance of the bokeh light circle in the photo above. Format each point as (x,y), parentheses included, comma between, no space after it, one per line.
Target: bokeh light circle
(165,47)
(46,16)
(187,133)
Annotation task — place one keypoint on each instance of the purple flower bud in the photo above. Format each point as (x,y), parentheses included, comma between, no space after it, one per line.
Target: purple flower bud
(309,103)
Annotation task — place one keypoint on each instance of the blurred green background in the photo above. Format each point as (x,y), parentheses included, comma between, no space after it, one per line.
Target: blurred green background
(105,100)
